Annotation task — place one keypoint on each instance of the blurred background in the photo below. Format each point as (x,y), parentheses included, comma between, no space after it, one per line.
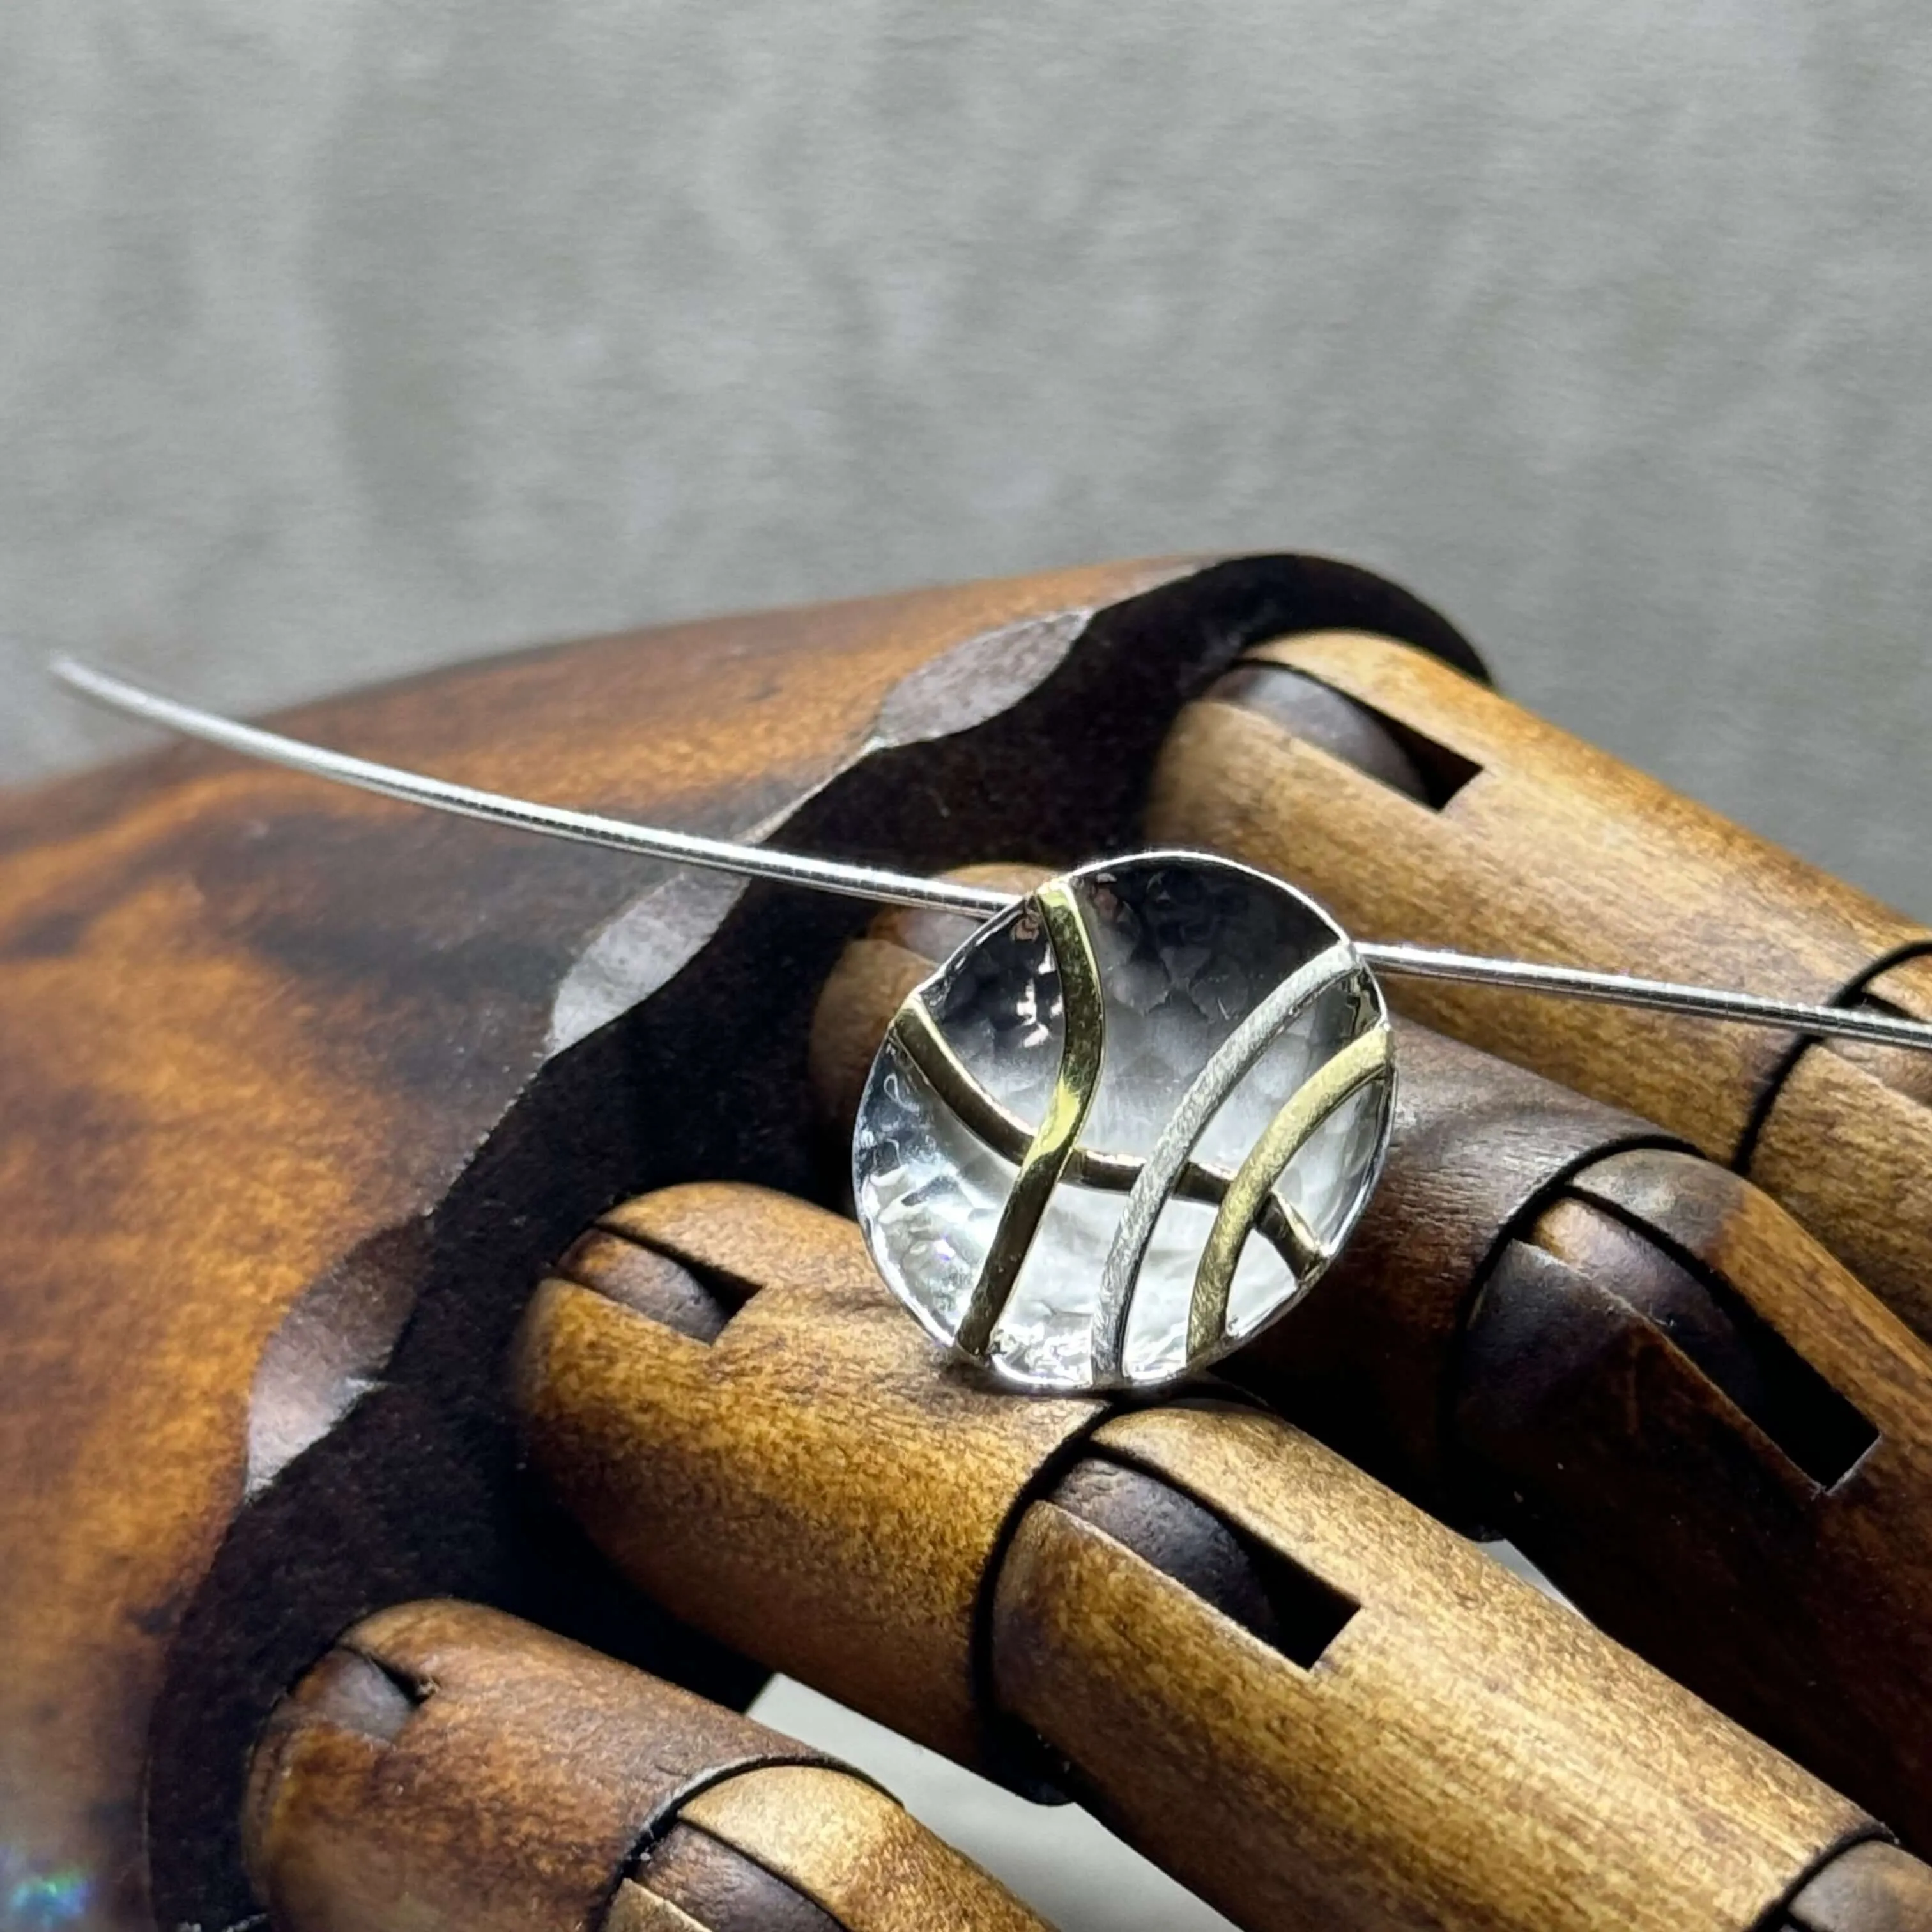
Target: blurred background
(336,340)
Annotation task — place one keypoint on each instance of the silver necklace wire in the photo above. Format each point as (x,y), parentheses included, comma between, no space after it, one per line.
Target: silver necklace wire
(880,885)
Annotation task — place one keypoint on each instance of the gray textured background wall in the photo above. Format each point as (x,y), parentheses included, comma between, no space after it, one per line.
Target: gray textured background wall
(337,339)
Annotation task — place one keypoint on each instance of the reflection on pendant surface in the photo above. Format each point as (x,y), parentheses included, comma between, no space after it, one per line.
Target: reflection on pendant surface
(1186,949)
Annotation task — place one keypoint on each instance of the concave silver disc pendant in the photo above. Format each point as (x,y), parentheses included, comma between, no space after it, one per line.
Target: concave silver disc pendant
(1127,1124)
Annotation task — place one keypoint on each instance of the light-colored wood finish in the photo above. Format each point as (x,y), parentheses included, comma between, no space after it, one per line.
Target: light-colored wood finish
(805,1477)
(1555,851)
(818,1483)
(448,1768)
(1464,1753)
(1847,1147)
(1503,1339)
(507,1785)
(636,1910)
(855,1852)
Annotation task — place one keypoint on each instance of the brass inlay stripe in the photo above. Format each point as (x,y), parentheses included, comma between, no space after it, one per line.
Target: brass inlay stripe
(919,1037)
(1226,1068)
(1358,1062)
(1082,1043)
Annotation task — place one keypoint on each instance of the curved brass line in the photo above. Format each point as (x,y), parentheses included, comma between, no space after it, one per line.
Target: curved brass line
(1082,1044)
(919,1037)
(1226,1068)
(1285,1136)
(928,1049)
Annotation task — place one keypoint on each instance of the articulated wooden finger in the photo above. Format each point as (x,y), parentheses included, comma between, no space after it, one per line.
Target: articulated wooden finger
(1666,1332)
(1553,1324)
(448,1768)
(1312,1702)
(1471,822)
(803,1468)
(1332,1752)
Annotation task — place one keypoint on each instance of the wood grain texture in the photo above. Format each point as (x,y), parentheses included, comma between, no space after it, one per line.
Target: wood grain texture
(1555,851)
(303,1087)
(808,1484)
(1547,1396)
(819,1482)
(512,1790)
(635,1909)
(512,1780)
(1464,1753)
(1814,1586)
(1847,1146)
(686,1875)
(856,1852)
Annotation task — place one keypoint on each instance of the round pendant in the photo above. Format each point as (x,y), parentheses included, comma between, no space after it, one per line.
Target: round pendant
(1127,1124)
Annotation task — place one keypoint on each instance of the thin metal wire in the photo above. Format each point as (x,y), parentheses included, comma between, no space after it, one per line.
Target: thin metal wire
(554,821)
(1577,982)
(879,885)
